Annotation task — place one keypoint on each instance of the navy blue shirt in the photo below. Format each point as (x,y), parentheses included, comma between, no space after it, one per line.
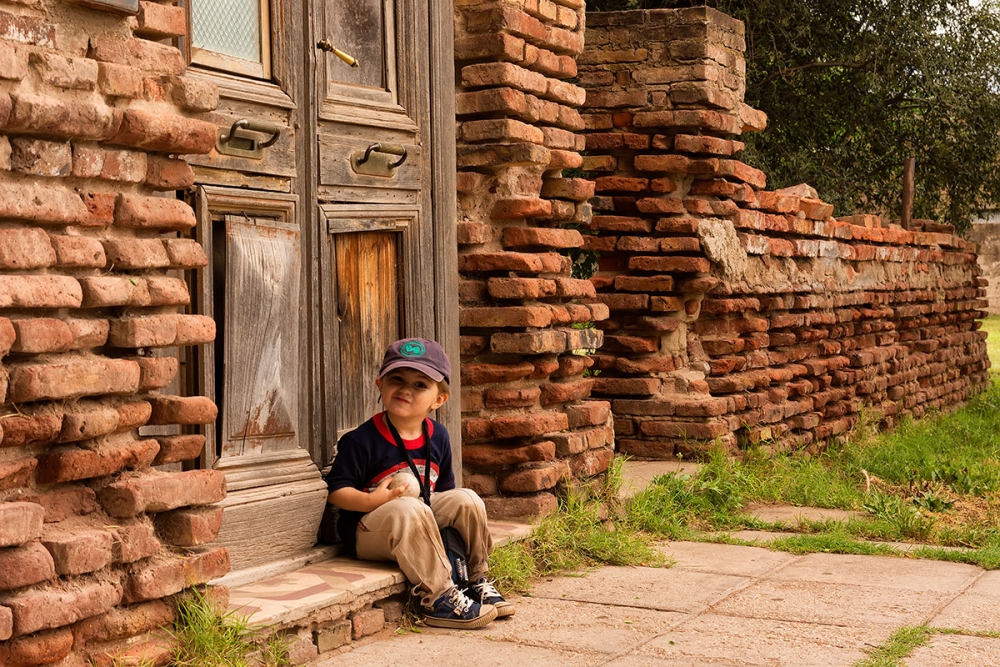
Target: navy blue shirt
(368,454)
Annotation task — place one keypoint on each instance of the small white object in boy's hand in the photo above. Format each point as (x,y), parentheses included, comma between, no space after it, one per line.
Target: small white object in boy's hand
(408,480)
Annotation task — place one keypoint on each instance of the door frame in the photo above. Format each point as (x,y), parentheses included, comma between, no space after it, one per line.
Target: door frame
(439,136)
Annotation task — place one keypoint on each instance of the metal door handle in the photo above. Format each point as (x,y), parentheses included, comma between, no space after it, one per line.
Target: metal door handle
(391,149)
(327,46)
(239,141)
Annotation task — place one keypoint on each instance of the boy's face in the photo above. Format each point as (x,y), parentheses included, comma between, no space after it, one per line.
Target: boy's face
(408,394)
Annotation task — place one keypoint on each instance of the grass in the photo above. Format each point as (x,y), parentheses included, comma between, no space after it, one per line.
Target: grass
(589,529)
(901,644)
(205,636)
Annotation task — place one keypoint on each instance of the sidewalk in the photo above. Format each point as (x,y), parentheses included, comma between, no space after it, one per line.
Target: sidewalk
(722,605)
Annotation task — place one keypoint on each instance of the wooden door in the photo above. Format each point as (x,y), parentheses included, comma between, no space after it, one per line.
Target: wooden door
(378,264)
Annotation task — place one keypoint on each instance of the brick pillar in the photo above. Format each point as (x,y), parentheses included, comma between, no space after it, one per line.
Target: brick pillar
(738,315)
(527,323)
(94,250)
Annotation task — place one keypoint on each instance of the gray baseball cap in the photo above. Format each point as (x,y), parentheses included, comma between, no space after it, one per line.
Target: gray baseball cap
(420,354)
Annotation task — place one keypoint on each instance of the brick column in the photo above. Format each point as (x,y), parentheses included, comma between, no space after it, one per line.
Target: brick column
(527,323)
(94,244)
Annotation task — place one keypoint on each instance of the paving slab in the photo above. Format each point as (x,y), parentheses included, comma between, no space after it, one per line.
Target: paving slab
(957,650)
(792,514)
(881,571)
(581,626)
(832,604)
(452,648)
(977,609)
(665,589)
(637,475)
(714,638)
(725,558)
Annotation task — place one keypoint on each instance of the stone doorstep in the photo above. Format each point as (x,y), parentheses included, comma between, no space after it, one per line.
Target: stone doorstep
(330,588)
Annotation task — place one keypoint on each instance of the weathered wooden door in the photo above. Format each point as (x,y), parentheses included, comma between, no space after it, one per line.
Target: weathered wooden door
(373,192)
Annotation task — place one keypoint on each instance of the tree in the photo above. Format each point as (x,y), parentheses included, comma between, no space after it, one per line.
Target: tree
(852,87)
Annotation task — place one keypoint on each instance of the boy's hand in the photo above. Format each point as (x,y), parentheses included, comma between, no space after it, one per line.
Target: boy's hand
(383,494)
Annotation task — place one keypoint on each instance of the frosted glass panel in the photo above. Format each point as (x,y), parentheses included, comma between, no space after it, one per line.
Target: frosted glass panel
(230,27)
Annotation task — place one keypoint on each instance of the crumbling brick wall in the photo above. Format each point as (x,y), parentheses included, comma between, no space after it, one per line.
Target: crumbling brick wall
(526,322)
(94,109)
(737,314)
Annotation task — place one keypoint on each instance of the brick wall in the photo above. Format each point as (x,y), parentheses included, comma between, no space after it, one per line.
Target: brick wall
(94,109)
(526,322)
(739,314)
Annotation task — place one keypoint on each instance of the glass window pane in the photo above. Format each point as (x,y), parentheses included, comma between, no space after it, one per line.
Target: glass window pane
(358,27)
(230,27)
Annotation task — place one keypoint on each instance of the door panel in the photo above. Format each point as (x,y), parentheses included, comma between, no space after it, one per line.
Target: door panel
(262,346)
(368,305)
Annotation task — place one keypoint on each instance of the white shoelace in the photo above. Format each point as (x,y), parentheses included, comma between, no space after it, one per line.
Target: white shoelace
(486,590)
(462,602)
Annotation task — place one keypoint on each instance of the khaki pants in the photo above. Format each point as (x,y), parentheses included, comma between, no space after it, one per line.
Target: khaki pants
(406,531)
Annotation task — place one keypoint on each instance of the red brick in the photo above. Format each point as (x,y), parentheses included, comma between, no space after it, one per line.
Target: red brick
(564,392)
(591,463)
(162,492)
(43,648)
(150,331)
(588,413)
(532,342)
(511,316)
(66,502)
(43,334)
(159,21)
(6,628)
(156,372)
(189,93)
(367,622)
(503,74)
(25,566)
(119,80)
(79,551)
(47,291)
(62,72)
(493,47)
(110,291)
(13,61)
(39,428)
(41,204)
(169,291)
(133,541)
(182,410)
(17,474)
(185,254)
(529,424)
(174,448)
(158,213)
(86,421)
(522,237)
(194,330)
(190,527)
(57,606)
(66,119)
(37,157)
(496,156)
(133,415)
(141,53)
(165,133)
(670,264)
(163,577)
(520,288)
(535,505)
(72,378)
(163,173)
(574,189)
(100,459)
(539,477)
(77,251)
(500,130)
(20,522)
(477,374)
(27,30)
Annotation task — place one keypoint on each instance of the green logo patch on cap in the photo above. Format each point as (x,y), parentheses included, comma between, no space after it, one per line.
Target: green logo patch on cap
(413,348)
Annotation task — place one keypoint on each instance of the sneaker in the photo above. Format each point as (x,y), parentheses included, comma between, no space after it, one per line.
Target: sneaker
(455,610)
(484,592)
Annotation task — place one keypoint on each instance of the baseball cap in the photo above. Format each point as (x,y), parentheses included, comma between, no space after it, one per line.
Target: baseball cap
(421,354)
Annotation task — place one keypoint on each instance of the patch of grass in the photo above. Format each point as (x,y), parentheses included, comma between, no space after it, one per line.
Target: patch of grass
(589,529)
(901,644)
(834,543)
(205,636)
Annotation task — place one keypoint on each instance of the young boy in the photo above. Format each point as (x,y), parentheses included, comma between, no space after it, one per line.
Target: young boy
(383,524)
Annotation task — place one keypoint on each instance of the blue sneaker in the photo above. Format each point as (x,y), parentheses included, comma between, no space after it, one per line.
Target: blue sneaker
(455,610)
(484,592)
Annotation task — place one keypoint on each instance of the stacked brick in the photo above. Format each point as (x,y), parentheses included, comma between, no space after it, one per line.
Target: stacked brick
(93,111)
(739,315)
(526,322)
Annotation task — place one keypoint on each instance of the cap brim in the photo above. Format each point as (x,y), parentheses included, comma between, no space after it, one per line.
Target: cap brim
(435,375)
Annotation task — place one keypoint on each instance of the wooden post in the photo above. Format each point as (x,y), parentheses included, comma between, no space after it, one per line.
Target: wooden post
(907,216)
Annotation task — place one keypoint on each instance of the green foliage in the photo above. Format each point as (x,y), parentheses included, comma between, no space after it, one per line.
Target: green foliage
(853,87)
(208,637)
(900,645)
(587,530)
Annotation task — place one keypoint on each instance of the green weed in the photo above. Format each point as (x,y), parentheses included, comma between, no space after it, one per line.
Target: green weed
(901,644)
